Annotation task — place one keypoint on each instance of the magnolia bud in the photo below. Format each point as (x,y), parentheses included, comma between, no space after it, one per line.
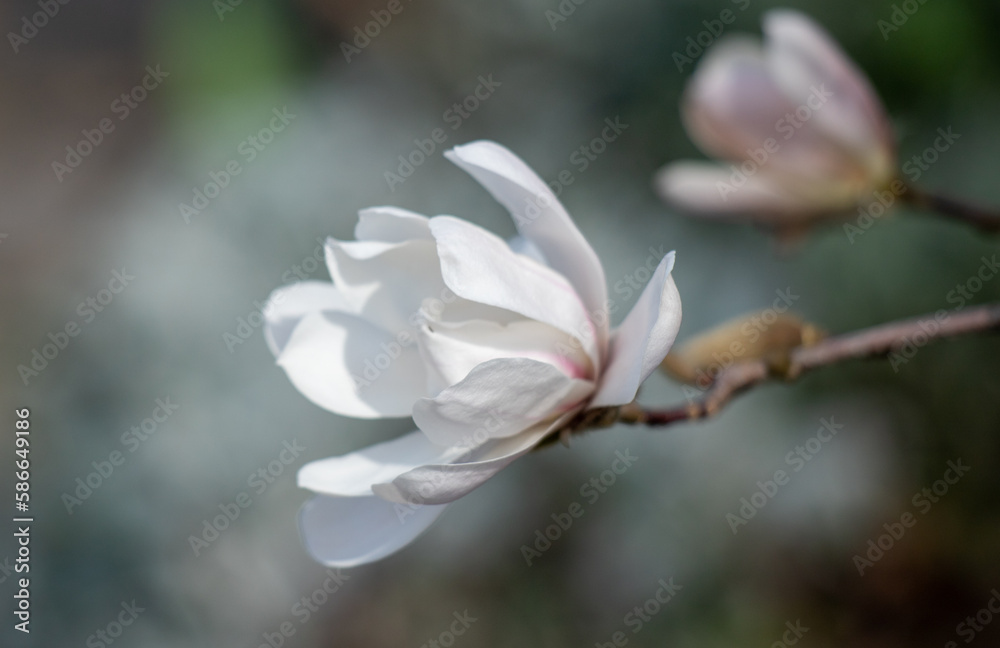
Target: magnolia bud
(762,335)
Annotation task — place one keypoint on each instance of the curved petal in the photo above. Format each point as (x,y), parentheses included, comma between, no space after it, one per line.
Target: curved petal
(643,339)
(805,61)
(354,473)
(521,245)
(391,225)
(451,350)
(349,366)
(711,189)
(385,282)
(734,109)
(540,218)
(351,531)
(479,266)
(443,483)
(287,306)
(499,398)
(731,102)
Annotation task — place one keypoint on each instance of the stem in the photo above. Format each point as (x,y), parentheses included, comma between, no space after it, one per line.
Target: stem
(984,219)
(866,343)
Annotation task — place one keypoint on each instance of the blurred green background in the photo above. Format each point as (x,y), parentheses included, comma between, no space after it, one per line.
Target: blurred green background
(229,65)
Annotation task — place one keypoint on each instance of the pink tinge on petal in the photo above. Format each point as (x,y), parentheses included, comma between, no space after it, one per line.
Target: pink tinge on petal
(570,368)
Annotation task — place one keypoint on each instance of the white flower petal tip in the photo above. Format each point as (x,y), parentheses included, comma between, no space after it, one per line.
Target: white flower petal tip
(800,133)
(353,474)
(489,346)
(351,531)
(639,345)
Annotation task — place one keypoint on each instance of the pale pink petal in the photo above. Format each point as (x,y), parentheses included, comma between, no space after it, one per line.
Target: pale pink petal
(807,64)
(710,189)
(734,109)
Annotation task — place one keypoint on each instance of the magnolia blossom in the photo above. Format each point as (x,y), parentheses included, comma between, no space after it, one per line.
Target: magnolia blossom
(489,348)
(801,132)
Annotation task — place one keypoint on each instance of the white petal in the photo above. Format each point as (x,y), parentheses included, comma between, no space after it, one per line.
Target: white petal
(523,246)
(391,225)
(385,282)
(353,474)
(350,531)
(643,339)
(806,62)
(451,350)
(479,266)
(710,189)
(443,483)
(499,398)
(540,218)
(349,366)
(288,305)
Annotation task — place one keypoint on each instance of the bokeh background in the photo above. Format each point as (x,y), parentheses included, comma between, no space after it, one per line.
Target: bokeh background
(229,65)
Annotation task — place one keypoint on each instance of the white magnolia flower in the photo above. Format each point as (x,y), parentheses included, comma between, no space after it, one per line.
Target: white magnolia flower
(489,350)
(801,132)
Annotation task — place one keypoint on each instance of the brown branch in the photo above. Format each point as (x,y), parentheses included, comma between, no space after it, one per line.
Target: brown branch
(875,341)
(985,220)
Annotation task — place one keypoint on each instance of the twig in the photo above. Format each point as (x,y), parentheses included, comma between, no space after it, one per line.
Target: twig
(871,342)
(983,219)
